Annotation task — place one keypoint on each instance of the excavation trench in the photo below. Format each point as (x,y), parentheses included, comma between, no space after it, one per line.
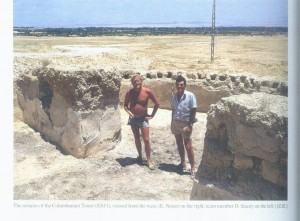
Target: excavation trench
(81,113)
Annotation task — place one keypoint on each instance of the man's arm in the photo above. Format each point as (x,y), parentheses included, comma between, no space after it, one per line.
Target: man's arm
(155,108)
(192,117)
(193,111)
(155,101)
(126,102)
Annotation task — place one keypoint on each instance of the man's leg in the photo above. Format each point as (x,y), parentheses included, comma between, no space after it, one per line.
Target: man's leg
(180,146)
(136,133)
(190,153)
(145,135)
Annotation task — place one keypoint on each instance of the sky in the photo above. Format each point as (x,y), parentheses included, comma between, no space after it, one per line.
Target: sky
(137,13)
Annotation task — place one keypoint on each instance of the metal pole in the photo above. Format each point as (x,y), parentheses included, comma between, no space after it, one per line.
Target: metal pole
(213,29)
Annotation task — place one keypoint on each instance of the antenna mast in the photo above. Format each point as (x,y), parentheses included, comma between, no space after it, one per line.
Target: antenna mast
(213,30)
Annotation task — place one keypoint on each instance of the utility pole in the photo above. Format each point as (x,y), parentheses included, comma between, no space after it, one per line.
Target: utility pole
(213,30)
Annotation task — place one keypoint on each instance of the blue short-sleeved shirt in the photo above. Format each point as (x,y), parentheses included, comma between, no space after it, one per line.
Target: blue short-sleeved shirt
(182,108)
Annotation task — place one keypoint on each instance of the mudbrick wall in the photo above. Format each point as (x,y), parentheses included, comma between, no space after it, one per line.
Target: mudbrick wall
(246,137)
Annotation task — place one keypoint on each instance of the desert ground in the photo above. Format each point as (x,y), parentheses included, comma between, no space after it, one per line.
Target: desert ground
(260,56)
(41,171)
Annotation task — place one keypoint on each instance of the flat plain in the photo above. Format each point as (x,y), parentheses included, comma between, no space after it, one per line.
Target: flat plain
(261,56)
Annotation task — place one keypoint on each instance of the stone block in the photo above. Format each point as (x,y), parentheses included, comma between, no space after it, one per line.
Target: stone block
(242,161)
(274,173)
(249,126)
(77,111)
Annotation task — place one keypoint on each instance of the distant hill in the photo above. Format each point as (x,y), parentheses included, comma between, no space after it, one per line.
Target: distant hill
(122,31)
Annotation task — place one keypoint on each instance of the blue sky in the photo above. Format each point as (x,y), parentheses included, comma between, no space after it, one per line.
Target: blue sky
(74,13)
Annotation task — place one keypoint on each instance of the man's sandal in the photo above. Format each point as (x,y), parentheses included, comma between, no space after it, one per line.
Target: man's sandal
(151,166)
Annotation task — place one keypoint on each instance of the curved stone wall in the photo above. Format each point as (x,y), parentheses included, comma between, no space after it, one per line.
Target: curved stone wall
(208,89)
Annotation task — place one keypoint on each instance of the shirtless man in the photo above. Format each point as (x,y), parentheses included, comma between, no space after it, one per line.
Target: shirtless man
(136,105)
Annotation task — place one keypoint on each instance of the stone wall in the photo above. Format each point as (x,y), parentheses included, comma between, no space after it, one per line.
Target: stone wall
(209,88)
(246,145)
(78,111)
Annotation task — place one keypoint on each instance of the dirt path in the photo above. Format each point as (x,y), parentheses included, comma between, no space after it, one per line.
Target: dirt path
(43,172)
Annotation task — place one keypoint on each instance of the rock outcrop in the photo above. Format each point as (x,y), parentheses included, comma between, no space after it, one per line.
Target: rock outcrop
(78,111)
(246,145)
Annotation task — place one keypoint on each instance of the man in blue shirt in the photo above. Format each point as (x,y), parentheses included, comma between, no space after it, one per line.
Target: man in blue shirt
(183,116)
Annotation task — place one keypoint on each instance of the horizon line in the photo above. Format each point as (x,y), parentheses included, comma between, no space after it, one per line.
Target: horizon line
(107,26)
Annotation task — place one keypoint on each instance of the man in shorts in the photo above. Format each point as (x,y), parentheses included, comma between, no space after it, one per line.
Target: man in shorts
(136,105)
(183,116)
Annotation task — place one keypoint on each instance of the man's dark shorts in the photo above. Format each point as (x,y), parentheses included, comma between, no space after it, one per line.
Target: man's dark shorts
(140,122)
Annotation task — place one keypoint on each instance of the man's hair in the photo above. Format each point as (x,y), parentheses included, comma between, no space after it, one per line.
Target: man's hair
(180,78)
(136,75)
